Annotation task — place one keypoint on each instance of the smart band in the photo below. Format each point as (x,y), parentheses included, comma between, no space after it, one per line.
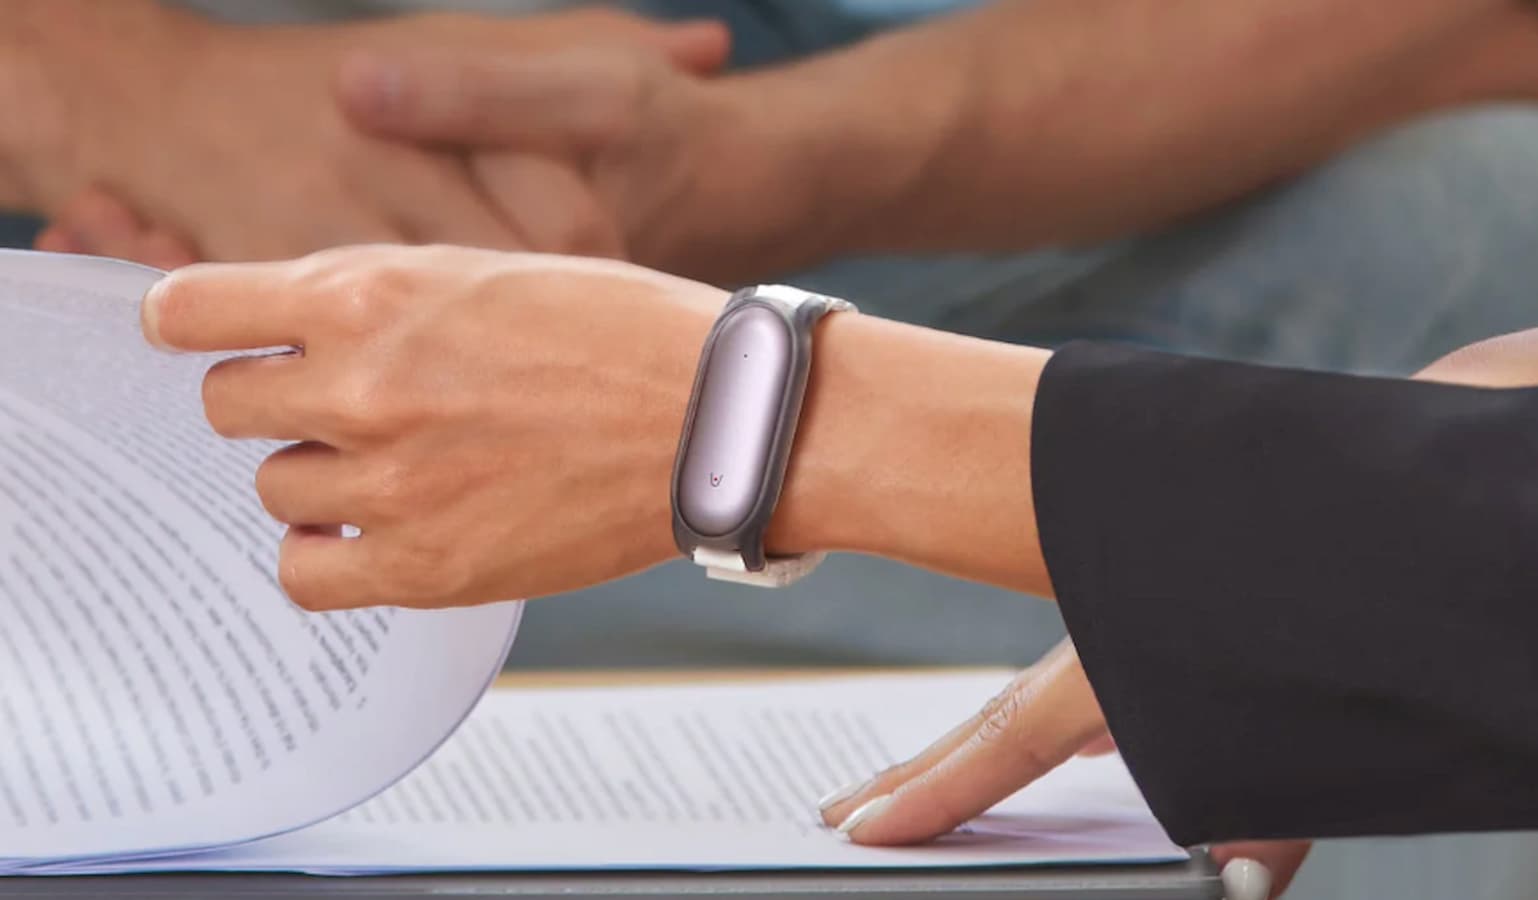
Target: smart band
(739,430)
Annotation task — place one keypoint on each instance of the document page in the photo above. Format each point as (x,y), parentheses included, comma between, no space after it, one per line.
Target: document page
(157,690)
(685,777)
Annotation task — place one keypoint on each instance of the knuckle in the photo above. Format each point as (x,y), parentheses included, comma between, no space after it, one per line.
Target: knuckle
(1005,730)
(358,404)
(390,492)
(1001,717)
(369,296)
(359,287)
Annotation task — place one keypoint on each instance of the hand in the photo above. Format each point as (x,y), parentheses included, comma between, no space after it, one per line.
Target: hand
(1047,715)
(634,130)
(1050,713)
(497,426)
(263,139)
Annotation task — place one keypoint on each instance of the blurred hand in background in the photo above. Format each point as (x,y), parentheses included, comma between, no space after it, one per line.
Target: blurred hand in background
(228,141)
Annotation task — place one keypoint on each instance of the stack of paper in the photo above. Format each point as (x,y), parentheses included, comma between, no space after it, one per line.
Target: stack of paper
(163,707)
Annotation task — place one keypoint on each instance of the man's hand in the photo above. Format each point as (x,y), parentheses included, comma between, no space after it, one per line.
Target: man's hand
(1010,127)
(629,127)
(495,425)
(251,160)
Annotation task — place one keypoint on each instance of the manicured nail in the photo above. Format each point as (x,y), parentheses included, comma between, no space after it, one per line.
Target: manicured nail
(1246,879)
(149,317)
(839,795)
(866,814)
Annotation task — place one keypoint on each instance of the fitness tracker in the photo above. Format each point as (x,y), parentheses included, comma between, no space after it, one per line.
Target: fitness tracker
(739,430)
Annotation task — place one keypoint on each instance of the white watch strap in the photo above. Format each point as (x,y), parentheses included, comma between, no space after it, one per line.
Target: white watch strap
(794,297)
(723,565)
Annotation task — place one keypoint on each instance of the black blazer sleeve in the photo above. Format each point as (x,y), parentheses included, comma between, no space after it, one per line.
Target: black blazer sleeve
(1308,603)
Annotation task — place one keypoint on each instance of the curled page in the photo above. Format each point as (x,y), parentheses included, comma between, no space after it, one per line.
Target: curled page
(158,693)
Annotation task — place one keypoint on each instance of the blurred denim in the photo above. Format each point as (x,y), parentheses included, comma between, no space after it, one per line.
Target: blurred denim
(17,231)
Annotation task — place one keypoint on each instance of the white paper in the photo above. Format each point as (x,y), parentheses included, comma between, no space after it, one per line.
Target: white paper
(696,778)
(157,690)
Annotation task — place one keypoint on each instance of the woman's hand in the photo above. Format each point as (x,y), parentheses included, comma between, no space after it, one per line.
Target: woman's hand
(1045,717)
(495,425)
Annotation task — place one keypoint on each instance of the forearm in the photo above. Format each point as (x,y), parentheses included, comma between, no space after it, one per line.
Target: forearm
(1055,121)
(915,445)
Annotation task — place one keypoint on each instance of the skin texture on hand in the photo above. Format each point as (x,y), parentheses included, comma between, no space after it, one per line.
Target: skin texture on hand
(252,160)
(495,425)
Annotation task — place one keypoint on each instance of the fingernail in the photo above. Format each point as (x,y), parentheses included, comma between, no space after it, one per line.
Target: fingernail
(1246,879)
(866,814)
(375,86)
(839,795)
(149,316)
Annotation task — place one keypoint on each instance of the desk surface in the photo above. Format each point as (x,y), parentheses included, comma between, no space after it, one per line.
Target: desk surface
(1196,880)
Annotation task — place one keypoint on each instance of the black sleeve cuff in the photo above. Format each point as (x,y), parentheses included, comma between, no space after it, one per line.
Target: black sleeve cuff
(1308,603)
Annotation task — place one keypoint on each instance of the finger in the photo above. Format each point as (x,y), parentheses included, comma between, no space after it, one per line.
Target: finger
(165,250)
(204,308)
(1036,729)
(1282,858)
(257,397)
(457,210)
(837,806)
(701,46)
(101,223)
(305,485)
(555,103)
(548,203)
(320,570)
(58,239)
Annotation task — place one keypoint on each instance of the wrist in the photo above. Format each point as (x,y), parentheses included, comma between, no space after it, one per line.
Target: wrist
(915,445)
(791,166)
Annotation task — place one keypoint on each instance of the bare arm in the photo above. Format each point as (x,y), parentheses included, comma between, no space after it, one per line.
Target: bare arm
(1063,120)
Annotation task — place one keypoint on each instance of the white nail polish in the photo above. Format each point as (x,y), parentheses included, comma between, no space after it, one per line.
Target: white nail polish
(839,795)
(1246,879)
(868,812)
(149,319)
